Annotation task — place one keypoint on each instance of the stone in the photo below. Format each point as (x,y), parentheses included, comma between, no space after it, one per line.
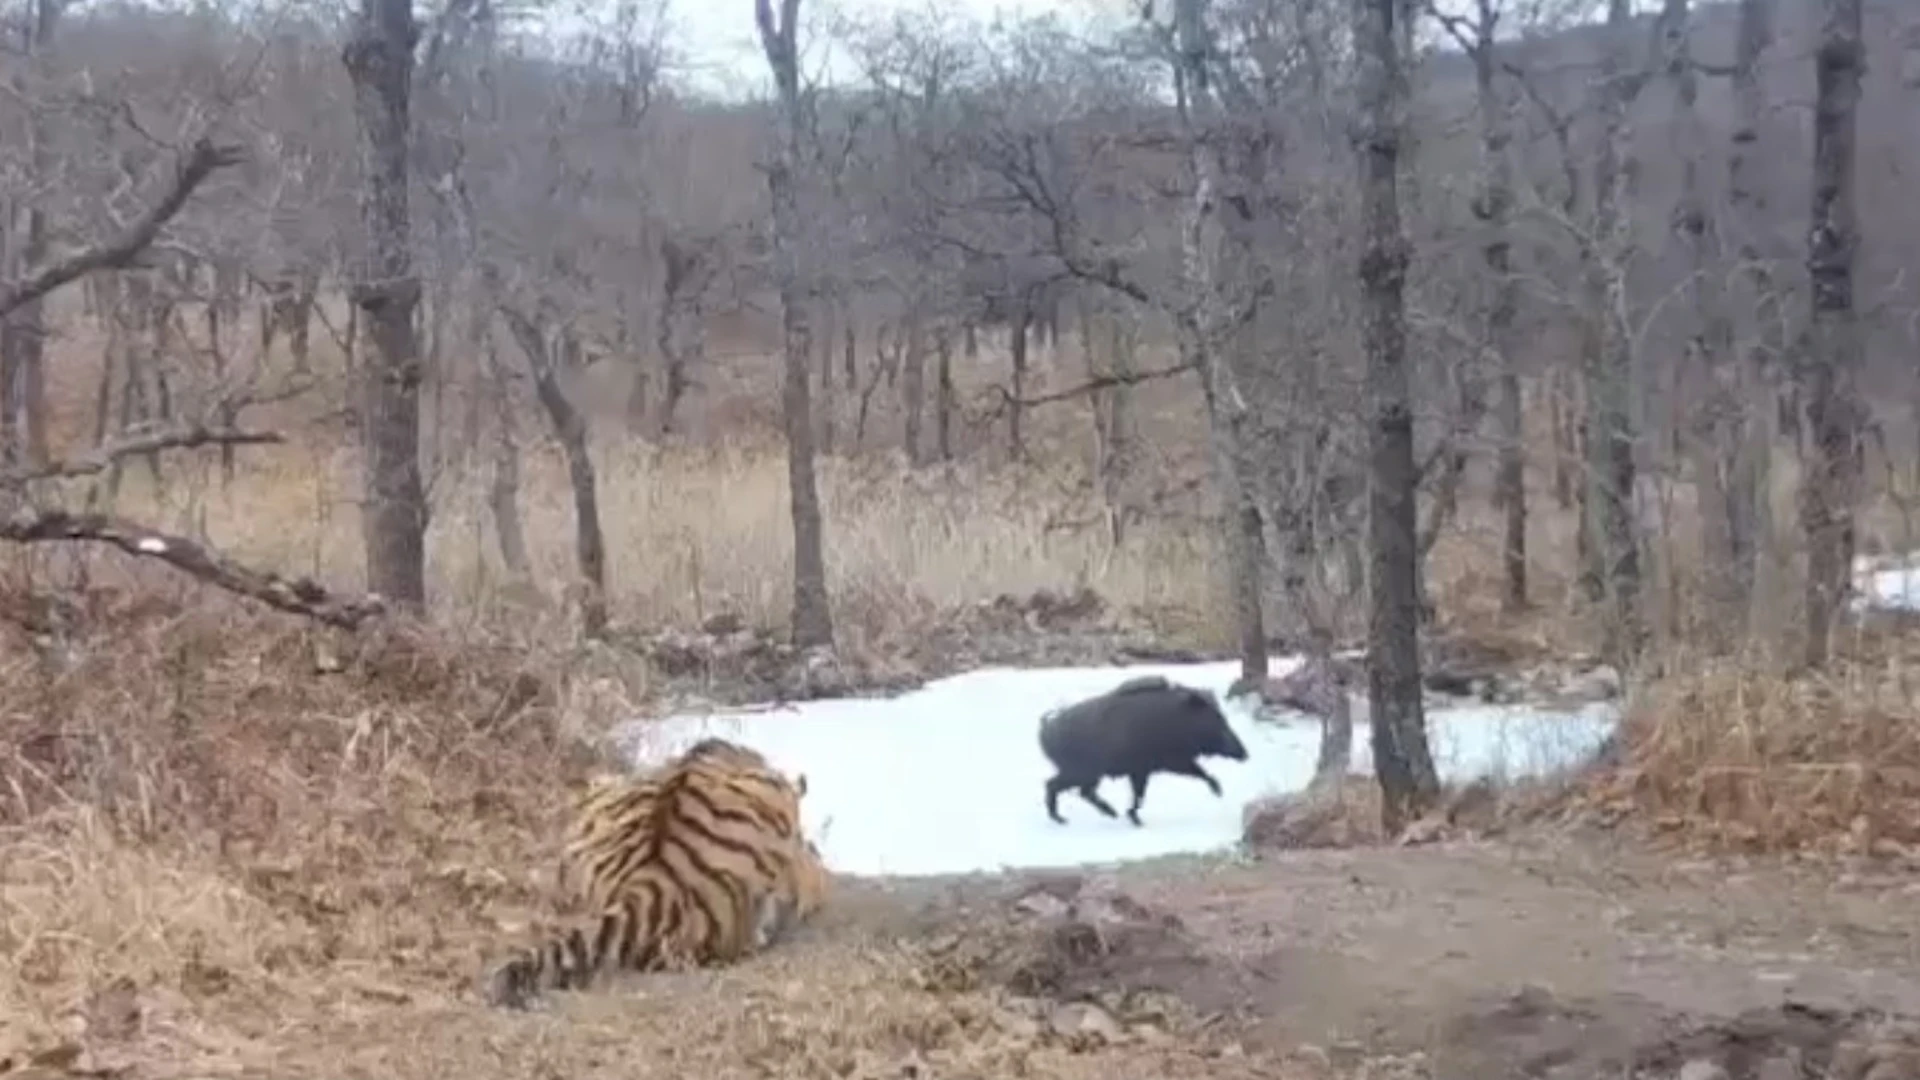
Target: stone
(1703,1069)
(1084,1022)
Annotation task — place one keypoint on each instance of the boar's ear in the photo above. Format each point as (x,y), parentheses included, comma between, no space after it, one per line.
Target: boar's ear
(800,784)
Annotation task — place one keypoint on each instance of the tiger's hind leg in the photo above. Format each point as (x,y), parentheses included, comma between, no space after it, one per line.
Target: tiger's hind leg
(800,893)
(622,937)
(775,914)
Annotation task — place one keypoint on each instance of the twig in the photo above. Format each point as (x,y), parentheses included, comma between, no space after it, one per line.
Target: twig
(102,458)
(119,252)
(299,596)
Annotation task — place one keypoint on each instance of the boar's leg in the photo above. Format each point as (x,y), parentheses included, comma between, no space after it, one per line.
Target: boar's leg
(1139,781)
(1090,792)
(1054,787)
(1193,769)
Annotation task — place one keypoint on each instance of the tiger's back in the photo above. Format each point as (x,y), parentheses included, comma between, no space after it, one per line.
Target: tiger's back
(700,862)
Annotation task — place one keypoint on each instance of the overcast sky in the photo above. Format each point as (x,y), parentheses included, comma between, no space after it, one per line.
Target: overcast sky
(718,52)
(717,49)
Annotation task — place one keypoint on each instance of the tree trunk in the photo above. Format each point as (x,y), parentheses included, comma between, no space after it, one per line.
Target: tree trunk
(812,617)
(850,356)
(913,388)
(1749,511)
(682,332)
(379,60)
(1111,439)
(884,361)
(640,395)
(1833,348)
(1609,364)
(570,428)
(1494,208)
(1705,374)
(1017,408)
(1402,761)
(23,337)
(943,390)
(1199,324)
(503,493)
(829,342)
(1566,452)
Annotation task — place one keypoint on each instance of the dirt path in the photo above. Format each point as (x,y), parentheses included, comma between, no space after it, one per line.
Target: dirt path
(1551,956)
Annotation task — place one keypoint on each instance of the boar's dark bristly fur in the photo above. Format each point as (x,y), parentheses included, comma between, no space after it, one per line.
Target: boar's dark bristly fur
(1145,725)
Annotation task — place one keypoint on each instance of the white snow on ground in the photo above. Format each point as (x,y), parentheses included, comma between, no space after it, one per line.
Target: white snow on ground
(949,778)
(1889,584)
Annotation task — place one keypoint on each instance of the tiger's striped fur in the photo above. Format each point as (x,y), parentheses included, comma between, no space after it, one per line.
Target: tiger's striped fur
(700,862)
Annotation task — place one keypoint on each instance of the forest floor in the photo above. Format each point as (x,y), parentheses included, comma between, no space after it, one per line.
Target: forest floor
(1547,954)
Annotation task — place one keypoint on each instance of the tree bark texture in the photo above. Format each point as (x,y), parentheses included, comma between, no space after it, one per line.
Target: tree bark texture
(503,490)
(1023,326)
(379,60)
(1494,208)
(1609,363)
(682,330)
(1726,530)
(1402,760)
(913,387)
(945,400)
(829,342)
(1832,352)
(1749,509)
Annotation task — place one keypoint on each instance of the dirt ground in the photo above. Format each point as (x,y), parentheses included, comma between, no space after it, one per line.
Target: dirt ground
(1550,955)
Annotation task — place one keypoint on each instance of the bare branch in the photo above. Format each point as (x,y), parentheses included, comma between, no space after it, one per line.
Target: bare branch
(1007,400)
(201,162)
(101,458)
(298,596)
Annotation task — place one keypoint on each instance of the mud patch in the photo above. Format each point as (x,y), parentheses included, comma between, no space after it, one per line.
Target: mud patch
(1535,1036)
(1064,939)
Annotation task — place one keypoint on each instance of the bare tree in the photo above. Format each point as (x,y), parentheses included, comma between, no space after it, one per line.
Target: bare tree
(1402,761)
(379,60)
(1707,373)
(1215,303)
(23,334)
(547,358)
(689,268)
(1748,514)
(812,615)
(1609,356)
(1832,351)
(1493,206)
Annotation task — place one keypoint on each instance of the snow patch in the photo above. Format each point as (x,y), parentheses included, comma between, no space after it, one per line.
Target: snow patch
(948,778)
(1888,583)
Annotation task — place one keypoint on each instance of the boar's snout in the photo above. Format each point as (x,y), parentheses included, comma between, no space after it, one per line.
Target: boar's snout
(1231,746)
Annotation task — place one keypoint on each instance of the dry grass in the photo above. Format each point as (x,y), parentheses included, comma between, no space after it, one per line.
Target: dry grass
(1746,756)
(198,815)
(695,531)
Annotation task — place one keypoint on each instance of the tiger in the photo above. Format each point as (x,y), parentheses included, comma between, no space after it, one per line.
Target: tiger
(700,862)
